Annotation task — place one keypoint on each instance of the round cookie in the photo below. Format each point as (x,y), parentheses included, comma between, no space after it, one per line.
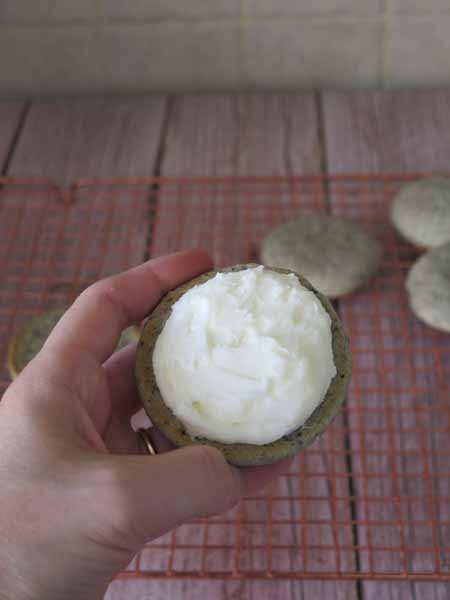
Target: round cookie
(29,340)
(421,212)
(334,254)
(239,454)
(428,285)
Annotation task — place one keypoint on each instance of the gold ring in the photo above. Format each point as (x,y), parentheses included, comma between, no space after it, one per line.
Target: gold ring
(144,438)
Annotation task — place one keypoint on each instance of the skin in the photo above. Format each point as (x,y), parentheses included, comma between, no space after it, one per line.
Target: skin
(78,497)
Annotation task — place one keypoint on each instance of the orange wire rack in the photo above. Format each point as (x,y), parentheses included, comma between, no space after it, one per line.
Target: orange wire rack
(371,498)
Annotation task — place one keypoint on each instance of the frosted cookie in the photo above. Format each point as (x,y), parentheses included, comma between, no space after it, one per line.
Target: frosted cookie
(428,285)
(29,340)
(334,254)
(250,360)
(421,212)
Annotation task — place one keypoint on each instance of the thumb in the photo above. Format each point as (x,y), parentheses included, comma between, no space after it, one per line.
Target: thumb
(154,494)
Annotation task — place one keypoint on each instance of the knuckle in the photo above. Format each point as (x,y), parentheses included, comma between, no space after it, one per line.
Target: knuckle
(99,292)
(92,291)
(106,293)
(209,459)
(220,478)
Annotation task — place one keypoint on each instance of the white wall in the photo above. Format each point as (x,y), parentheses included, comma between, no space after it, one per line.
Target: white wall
(82,46)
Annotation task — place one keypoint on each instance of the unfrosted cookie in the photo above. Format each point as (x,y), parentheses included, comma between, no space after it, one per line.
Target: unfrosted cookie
(29,340)
(334,254)
(242,454)
(421,212)
(428,285)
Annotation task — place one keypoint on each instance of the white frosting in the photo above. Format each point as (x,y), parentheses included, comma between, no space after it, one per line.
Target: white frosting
(245,357)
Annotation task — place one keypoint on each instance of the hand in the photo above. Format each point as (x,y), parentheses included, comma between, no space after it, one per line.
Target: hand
(78,498)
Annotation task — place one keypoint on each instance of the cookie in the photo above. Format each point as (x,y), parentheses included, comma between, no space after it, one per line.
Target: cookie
(428,285)
(334,254)
(421,212)
(239,454)
(29,340)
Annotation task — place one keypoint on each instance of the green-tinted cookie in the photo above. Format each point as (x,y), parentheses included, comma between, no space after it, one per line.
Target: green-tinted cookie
(334,254)
(428,285)
(29,340)
(239,454)
(421,212)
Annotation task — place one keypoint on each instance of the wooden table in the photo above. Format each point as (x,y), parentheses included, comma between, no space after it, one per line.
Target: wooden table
(308,133)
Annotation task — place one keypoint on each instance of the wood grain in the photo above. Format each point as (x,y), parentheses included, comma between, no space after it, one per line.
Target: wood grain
(227,590)
(257,135)
(229,136)
(202,137)
(394,132)
(242,135)
(277,135)
(68,139)
(387,132)
(10,116)
(406,591)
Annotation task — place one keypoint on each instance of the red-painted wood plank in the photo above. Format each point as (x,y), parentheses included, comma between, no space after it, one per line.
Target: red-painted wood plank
(405,132)
(387,132)
(68,139)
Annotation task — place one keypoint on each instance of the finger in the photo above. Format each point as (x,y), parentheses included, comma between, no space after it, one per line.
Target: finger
(152,495)
(257,478)
(119,369)
(94,322)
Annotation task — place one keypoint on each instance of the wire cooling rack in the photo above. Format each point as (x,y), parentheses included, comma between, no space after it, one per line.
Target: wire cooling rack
(371,498)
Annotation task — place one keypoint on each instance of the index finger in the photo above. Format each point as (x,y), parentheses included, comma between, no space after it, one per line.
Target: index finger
(95,320)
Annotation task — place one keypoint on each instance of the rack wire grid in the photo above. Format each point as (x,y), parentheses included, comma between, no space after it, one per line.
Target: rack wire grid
(371,498)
